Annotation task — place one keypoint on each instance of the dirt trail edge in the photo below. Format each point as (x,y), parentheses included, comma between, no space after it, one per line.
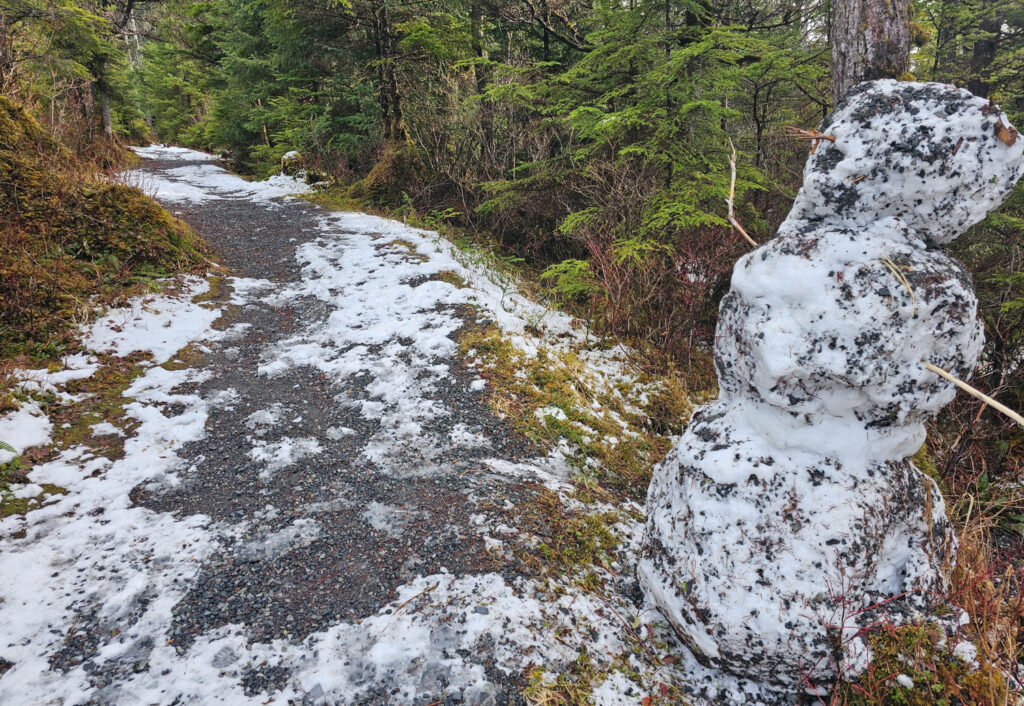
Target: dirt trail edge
(298,493)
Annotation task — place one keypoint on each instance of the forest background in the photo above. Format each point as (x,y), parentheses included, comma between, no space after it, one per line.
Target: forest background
(587,143)
(584,143)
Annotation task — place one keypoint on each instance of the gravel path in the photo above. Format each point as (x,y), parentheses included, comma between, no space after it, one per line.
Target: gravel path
(321,512)
(303,496)
(370,530)
(375,530)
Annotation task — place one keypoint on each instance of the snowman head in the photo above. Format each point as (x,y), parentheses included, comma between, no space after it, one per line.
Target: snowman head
(932,156)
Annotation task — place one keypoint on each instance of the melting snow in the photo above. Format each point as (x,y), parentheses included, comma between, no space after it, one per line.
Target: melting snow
(283,453)
(203,181)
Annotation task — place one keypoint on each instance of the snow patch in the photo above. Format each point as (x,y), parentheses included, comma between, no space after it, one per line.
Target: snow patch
(300,533)
(24,428)
(283,453)
(161,325)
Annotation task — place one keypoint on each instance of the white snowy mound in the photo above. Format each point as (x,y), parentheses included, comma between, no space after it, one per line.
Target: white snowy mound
(789,518)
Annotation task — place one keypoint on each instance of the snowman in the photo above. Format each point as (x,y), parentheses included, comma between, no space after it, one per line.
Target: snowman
(789,517)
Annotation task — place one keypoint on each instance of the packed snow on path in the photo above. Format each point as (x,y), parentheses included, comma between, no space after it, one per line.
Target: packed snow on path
(202,180)
(94,549)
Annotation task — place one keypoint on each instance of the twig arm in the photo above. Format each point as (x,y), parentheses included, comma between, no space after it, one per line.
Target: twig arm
(975,393)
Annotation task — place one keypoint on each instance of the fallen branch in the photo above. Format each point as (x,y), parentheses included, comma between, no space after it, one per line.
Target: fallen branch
(411,599)
(732,194)
(975,393)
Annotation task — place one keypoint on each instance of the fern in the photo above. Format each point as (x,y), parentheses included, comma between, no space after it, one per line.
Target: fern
(4,446)
(573,278)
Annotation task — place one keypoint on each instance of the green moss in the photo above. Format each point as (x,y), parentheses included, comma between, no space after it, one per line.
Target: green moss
(452,278)
(924,462)
(220,289)
(72,241)
(569,544)
(406,248)
(940,678)
(571,687)
(399,169)
(102,400)
(669,408)
(614,446)
(188,357)
(337,198)
(10,505)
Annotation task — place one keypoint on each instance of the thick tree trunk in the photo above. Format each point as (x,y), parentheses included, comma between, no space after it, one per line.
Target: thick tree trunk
(870,39)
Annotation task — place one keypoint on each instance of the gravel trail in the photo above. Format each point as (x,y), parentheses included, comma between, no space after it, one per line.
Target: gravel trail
(369,527)
(328,537)
(325,482)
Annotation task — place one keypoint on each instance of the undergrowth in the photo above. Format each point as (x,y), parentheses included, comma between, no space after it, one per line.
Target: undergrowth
(917,664)
(75,407)
(72,238)
(613,437)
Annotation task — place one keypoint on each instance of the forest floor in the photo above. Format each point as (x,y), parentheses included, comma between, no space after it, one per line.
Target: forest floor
(287,482)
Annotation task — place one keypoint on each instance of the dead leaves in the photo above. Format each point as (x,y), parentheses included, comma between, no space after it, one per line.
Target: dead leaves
(1006,135)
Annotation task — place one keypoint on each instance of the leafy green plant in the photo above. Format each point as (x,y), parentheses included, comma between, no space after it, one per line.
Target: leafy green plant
(572,278)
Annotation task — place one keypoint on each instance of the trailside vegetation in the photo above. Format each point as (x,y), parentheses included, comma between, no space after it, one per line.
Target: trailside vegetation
(71,238)
(591,141)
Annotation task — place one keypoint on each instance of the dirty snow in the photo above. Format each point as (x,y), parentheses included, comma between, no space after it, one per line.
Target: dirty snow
(283,453)
(203,180)
(160,325)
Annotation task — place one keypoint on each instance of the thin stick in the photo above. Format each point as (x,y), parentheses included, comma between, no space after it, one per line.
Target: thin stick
(732,193)
(799,134)
(626,625)
(428,588)
(902,280)
(975,393)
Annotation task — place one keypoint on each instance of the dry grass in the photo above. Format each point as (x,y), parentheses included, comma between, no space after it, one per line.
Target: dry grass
(987,583)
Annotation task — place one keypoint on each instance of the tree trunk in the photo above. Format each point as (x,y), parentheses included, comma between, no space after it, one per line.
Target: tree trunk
(390,100)
(481,75)
(870,39)
(983,55)
(382,93)
(108,125)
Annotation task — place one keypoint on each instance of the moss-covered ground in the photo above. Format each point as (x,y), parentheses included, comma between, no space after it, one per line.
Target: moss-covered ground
(73,239)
